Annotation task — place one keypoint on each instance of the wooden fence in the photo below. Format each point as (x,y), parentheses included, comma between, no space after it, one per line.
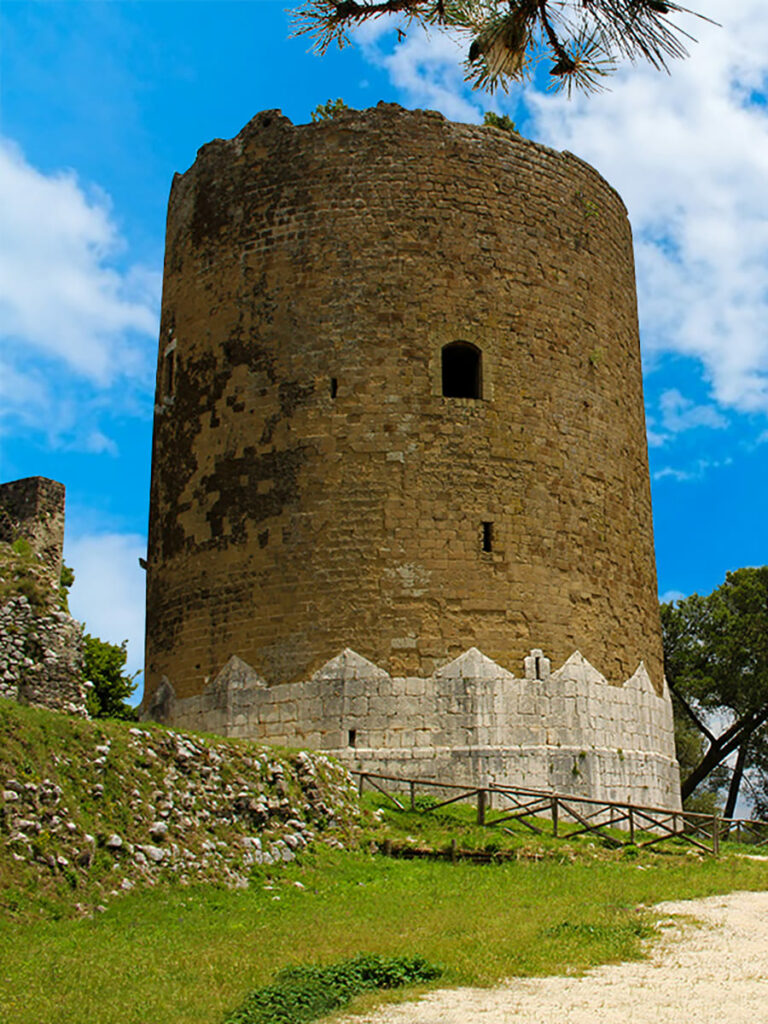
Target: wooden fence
(507,807)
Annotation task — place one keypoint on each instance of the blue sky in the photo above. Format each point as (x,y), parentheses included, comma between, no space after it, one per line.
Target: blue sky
(102,102)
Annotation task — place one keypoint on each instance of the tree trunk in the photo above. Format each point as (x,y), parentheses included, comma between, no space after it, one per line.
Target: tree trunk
(724,745)
(738,772)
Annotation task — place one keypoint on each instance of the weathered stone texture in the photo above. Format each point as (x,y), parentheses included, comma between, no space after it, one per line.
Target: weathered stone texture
(41,645)
(41,657)
(33,508)
(312,487)
(472,723)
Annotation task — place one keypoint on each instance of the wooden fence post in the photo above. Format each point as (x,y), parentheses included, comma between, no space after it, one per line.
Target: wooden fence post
(631,817)
(554,816)
(412,786)
(716,836)
(481,807)
(360,784)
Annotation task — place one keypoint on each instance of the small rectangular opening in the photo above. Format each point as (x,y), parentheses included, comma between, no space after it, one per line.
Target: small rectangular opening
(353,737)
(538,668)
(334,387)
(487,537)
(170,369)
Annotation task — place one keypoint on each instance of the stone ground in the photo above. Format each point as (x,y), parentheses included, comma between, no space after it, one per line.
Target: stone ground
(713,970)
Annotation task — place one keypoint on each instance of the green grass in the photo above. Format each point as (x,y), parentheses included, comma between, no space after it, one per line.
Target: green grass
(191,956)
(435,829)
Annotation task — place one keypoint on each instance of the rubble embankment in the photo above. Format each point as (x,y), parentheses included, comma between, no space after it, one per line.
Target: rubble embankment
(90,809)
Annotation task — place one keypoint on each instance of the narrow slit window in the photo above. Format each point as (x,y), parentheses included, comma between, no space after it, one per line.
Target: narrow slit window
(487,537)
(538,667)
(352,737)
(170,372)
(462,370)
(334,387)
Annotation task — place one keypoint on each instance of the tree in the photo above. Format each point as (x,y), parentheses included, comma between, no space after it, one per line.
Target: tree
(584,39)
(104,665)
(691,746)
(716,662)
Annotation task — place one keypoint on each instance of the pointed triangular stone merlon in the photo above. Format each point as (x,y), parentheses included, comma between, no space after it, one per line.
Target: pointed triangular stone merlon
(580,670)
(641,681)
(236,675)
(537,666)
(349,665)
(473,664)
(160,706)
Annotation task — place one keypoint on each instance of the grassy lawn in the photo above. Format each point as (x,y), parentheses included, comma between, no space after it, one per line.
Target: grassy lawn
(190,955)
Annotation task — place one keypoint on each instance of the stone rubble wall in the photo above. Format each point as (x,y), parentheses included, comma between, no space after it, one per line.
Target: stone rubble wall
(119,807)
(472,722)
(41,657)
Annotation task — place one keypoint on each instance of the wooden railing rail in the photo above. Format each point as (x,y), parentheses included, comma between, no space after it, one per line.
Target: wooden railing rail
(590,815)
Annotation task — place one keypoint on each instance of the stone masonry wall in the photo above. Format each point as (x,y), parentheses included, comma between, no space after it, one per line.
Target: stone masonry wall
(41,657)
(33,508)
(472,722)
(41,645)
(313,489)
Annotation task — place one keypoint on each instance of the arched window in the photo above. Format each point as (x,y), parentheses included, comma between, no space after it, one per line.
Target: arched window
(462,370)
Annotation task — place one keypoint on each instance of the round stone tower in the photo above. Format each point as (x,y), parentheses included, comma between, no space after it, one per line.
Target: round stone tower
(399,407)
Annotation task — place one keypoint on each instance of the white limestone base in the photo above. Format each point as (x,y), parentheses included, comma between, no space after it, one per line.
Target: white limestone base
(472,723)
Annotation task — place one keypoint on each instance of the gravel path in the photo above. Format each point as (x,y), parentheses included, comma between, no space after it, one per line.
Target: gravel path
(714,972)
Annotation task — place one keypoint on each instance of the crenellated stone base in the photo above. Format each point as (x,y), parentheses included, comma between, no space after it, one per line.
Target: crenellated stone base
(472,722)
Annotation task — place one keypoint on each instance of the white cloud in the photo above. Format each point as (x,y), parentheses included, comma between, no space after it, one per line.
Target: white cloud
(98,443)
(655,439)
(680,475)
(695,471)
(76,329)
(679,413)
(689,155)
(108,592)
(671,595)
(427,67)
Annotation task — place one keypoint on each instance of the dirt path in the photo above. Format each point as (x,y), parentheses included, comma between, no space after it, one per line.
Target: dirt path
(712,973)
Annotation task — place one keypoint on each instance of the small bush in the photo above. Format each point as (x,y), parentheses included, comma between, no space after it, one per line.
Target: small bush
(104,665)
(327,111)
(301,994)
(502,121)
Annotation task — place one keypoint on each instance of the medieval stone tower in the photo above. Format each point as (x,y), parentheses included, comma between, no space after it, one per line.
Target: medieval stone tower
(399,415)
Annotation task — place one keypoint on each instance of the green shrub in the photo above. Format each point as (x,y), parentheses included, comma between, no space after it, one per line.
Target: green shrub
(104,665)
(502,121)
(327,111)
(66,579)
(301,994)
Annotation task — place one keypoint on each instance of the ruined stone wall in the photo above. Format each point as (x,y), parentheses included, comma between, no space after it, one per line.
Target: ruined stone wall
(472,723)
(313,489)
(33,508)
(41,645)
(41,657)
